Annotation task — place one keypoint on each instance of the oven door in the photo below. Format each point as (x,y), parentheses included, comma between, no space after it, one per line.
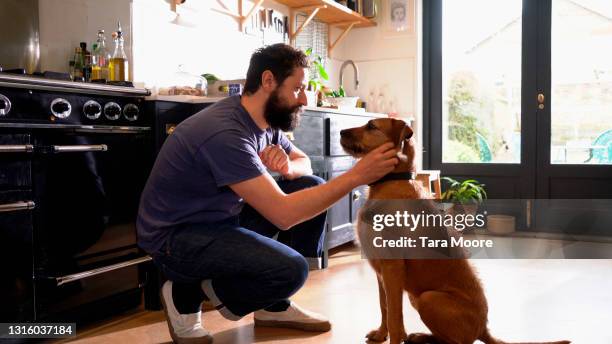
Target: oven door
(16,206)
(87,185)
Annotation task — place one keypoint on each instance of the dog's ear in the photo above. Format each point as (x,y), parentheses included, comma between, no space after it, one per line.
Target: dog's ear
(400,131)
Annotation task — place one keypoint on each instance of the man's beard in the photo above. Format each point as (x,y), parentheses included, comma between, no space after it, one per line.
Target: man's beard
(280,115)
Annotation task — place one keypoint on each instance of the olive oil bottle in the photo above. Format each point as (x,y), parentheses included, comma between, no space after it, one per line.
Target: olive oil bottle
(100,58)
(118,64)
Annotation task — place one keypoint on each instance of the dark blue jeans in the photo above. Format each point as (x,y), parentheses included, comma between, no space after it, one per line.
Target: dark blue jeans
(246,269)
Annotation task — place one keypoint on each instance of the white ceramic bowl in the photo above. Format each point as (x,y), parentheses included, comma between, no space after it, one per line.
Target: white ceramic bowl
(342,102)
(501,224)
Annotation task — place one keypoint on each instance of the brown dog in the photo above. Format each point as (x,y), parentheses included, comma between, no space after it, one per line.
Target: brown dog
(446,292)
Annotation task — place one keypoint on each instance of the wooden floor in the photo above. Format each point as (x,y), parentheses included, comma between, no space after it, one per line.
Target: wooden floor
(528,300)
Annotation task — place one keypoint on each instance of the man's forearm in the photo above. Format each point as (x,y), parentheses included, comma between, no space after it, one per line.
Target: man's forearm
(299,167)
(308,203)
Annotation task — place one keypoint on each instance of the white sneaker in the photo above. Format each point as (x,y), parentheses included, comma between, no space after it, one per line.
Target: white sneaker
(293,317)
(184,328)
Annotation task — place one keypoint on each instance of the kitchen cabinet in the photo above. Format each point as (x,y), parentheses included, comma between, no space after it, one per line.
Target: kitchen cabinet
(168,115)
(318,135)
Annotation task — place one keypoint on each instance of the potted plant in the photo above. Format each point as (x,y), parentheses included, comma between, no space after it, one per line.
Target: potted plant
(466,196)
(339,99)
(210,80)
(315,83)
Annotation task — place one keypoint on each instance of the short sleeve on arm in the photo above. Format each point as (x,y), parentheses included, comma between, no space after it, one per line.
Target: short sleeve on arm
(284,142)
(231,157)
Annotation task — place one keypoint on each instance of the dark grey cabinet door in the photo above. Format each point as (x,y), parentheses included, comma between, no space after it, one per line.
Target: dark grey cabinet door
(339,226)
(308,136)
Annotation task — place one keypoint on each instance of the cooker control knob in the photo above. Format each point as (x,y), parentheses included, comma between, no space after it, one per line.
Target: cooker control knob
(92,109)
(5,105)
(112,111)
(130,112)
(60,108)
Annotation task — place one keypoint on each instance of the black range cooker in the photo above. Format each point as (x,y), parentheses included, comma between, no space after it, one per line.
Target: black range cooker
(74,158)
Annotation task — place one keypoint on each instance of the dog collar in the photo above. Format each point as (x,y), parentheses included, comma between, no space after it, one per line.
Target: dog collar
(395,176)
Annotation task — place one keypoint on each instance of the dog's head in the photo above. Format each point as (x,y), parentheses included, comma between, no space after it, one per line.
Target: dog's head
(361,140)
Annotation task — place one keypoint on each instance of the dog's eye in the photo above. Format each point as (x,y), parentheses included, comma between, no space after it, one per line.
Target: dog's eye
(371,126)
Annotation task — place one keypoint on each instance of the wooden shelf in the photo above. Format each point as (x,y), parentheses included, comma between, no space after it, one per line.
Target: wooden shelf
(333,13)
(326,11)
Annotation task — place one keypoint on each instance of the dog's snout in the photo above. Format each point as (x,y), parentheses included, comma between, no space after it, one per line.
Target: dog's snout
(345,133)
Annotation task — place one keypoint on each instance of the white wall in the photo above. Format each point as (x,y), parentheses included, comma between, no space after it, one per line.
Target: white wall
(66,23)
(389,68)
(207,41)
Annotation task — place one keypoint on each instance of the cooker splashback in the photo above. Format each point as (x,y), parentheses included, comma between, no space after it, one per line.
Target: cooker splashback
(19,35)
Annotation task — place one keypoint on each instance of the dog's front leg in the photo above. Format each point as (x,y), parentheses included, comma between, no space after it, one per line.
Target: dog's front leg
(380,334)
(392,278)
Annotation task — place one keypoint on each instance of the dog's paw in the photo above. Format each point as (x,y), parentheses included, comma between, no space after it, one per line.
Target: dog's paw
(378,335)
(420,338)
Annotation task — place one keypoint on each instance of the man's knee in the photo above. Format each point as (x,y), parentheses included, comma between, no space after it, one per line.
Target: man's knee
(294,273)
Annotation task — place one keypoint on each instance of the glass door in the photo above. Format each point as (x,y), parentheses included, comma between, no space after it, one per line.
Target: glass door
(518,94)
(481,81)
(478,81)
(574,118)
(581,82)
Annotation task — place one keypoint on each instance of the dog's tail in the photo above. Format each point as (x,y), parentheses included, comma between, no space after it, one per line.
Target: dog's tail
(487,338)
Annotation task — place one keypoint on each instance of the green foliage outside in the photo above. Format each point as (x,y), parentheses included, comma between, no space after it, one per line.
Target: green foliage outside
(456,151)
(463,104)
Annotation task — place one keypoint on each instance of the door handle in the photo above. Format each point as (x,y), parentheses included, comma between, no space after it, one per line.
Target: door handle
(16,148)
(17,206)
(80,148)
(541,100)
(90,273)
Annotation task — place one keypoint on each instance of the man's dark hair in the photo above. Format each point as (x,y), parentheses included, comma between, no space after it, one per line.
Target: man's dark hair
(280,59)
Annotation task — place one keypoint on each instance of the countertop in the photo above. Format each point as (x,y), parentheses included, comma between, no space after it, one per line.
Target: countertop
(184,99)
(198,100)
(345,111)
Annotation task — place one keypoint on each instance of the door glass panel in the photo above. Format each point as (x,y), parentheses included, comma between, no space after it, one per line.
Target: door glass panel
(581,82)
(481,81)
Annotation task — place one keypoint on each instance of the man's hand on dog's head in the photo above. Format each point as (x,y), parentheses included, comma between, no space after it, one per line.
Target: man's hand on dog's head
(276,159)
(376,164)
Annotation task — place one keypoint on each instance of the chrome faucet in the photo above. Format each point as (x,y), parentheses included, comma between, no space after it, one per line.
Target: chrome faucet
(351,62)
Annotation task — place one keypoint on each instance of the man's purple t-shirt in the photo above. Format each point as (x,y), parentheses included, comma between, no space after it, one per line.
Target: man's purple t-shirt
(189,182)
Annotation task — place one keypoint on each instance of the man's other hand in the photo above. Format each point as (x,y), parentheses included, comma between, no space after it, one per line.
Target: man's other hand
(276,160)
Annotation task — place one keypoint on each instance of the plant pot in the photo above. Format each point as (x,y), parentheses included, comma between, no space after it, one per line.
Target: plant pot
(467,209)
(311,98)
(462,209)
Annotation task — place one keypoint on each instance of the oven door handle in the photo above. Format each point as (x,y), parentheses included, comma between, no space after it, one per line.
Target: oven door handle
(80,148)
(17,206)
(89,273)
(16,148)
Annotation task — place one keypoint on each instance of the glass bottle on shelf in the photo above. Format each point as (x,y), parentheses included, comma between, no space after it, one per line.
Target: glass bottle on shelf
(100,58)
(118,64)
(78,65)
(86,61)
